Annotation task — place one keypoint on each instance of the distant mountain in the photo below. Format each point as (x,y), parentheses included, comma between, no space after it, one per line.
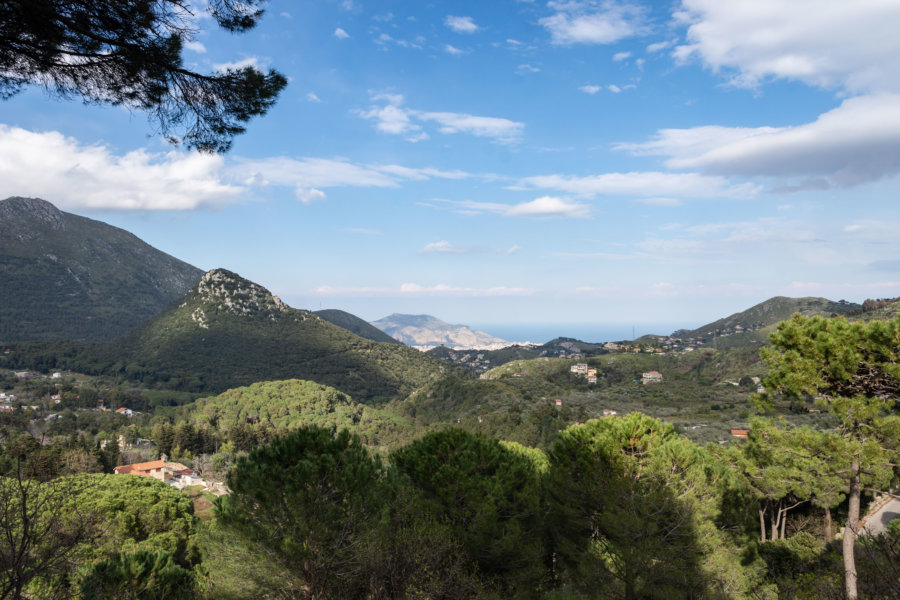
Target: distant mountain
(425,332)
(766,314)
(65,277)
(228,332)
(354,324)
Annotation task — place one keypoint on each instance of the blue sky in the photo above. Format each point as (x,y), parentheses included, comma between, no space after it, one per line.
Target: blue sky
(518,162)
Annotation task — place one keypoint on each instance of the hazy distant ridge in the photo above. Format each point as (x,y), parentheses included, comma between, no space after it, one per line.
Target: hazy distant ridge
(425,331)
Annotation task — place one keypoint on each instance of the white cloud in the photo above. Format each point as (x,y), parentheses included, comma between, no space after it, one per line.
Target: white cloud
(545,206)
(513,249)
(443,247)
(592,22)
(620,56)
(644,184)
(76,176)
(499,129)
(341,34)
(590,89)
(550,206)
(309,195)
(452,50)
(461,24)
(827,43)
(415,289)
(394,118)
(253,61)
(526,68)
(312,97)
(857,142)
(614,88)
(658,46)
(325,173)
(384,39)
(195,46)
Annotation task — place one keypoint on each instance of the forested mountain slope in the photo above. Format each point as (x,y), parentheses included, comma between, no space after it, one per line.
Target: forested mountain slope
(65,277)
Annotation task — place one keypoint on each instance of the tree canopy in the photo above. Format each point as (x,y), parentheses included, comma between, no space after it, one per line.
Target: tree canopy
(128,53)
(853,369)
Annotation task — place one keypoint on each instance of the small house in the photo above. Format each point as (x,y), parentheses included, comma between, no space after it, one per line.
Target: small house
(651,377)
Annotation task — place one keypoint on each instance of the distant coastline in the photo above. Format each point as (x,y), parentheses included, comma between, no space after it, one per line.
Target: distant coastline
(540,333)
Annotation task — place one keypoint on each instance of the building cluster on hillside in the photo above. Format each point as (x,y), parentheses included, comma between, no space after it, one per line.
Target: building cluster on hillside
(174,473)
(712,336)
(588,372)
(7,402)
(475,361)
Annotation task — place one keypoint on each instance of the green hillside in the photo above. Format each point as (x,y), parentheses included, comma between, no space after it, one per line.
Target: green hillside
(761,317)
(354,324)
(230,332)
(65,277)
(287,405)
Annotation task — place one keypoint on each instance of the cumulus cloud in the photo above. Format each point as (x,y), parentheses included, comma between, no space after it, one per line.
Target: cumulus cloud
(309,195)
(461,24)
(590,89)
(312,97)
(592,22)
(550,206)
(826,43)
(77,176)
(395,118)
(620,56)
(646,184)
(452,50)
(341,34)
(857,142)
(526,68)
(195,46)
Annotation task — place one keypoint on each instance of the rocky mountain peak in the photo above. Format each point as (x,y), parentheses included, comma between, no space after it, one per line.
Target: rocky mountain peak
(232,293)
(31,210)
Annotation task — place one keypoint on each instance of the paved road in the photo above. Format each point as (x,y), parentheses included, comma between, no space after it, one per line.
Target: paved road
(877,523)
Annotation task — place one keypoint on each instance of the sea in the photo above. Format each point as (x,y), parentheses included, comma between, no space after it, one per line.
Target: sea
(539,333)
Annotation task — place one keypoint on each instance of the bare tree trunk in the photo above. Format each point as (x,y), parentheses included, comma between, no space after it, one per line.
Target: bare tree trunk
(774,524)
(783,522)
(762,524)
(850,587)
(829,535)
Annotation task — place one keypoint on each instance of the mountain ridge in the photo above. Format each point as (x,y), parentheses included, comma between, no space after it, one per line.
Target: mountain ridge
(67,277)
(229,332)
